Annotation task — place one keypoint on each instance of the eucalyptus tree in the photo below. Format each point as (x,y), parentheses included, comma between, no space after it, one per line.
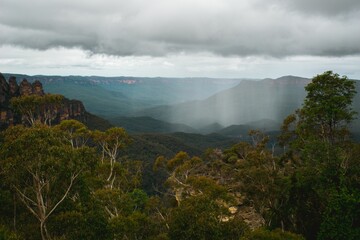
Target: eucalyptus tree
(75,132)
(111,142)
(318,137)
(36,108)
(42,168)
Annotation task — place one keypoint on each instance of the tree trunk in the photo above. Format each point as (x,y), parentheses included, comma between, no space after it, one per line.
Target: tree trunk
(42,231)
(14,220)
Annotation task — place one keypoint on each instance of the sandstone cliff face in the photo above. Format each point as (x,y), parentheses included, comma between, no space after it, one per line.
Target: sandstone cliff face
(70,109)
(37,88)
(4,91)
(25,88)
(13,87)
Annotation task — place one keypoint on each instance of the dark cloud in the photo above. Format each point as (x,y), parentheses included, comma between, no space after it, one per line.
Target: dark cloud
(275,28)
(326,7)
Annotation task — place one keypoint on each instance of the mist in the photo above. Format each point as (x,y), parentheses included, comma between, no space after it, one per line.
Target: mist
(261,104)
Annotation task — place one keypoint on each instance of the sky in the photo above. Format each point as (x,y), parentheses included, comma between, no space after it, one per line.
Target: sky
(180,38)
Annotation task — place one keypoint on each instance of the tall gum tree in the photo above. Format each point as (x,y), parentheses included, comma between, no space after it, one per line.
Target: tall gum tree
(322,153)
(111,142)
(327,109)
(42,168)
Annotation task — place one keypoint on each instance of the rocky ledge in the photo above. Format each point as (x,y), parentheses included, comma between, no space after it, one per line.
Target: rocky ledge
(70,109)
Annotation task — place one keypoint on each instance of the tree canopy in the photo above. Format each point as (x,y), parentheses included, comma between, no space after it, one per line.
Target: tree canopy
(68,182)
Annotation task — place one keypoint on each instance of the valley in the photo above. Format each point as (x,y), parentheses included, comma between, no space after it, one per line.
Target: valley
(230,107)
(180,120)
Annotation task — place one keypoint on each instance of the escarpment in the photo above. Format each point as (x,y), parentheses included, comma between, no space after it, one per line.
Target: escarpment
(68,109)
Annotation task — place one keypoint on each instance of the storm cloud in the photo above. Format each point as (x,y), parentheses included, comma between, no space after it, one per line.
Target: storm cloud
(275,28)
(332,8)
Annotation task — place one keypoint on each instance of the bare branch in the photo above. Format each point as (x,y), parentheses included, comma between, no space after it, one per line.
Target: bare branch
(73,177)
(25,199)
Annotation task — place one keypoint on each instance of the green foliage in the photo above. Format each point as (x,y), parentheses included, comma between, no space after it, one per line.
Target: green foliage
(326,112)
(327,107)
(35,108)
(341,217)
(263,234)
(134,226)
(139,199)
(111,142)
(78,184)
(201,217)
(149,125)
(41,168)
(5,234)
(262,178)
(75,224)
(6,202)
(325,161)
(77,132)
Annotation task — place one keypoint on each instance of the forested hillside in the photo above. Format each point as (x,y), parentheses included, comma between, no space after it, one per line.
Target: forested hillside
(66,181)
(258,104)
(119,96)
(200,105)
(23,102)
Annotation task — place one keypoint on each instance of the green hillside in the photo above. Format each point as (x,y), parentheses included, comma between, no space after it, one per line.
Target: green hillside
(247,102)
(148,125)
(119,96)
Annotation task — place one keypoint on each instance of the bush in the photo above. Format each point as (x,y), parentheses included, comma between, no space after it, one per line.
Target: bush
(263,234)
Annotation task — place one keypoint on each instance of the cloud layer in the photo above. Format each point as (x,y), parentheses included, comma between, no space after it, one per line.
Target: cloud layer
(276,28)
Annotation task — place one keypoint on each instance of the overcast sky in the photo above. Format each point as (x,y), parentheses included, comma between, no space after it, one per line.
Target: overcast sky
(180,38)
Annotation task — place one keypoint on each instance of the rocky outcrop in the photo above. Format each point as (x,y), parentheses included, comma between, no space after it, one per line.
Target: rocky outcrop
(4,90)
(70,109)
(25,88)
(37,88)
(13,87)
(251,217)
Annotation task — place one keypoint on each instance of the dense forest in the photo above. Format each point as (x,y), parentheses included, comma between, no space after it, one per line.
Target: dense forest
(66,181)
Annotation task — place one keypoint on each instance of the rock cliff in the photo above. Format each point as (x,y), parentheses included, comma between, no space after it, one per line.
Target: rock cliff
(70,109)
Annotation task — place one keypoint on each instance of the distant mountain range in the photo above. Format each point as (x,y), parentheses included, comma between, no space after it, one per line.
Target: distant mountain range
(230,107)
(120,96)
(268,101)
(251,104)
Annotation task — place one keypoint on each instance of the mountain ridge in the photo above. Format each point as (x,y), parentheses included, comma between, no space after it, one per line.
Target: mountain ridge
(247,103)
(238,103)
(269,100)
(120,96)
